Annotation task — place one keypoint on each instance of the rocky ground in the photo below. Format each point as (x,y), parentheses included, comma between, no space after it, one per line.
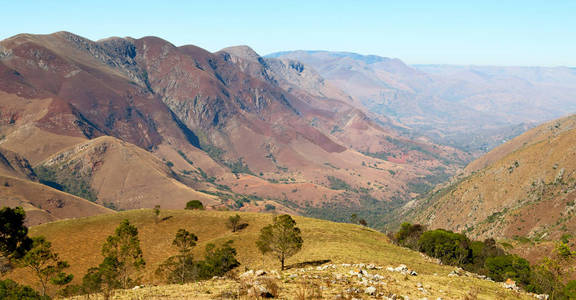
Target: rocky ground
(333,281)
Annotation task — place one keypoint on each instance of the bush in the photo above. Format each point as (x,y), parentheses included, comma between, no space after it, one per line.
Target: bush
(503,267)
(217,261)
(67,181)
(337,183)
(409,234)
(11,290)
(451,248)
(570,289)
(195,204)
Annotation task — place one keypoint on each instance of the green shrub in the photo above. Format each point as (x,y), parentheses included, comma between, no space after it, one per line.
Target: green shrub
(451,248)
(217,261)
(409,235)
(337,183)
(570,289)
(194,204)
(11,290)
(503,267)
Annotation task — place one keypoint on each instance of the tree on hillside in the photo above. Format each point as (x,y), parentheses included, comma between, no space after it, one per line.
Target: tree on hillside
(218,261)
(281,238)
(353,218)
(45,264)
(503,267)
(156,213)
(409,235)
(451,248)
(14,240)
(181,268)
(233,222)
(194,204)
(123,249)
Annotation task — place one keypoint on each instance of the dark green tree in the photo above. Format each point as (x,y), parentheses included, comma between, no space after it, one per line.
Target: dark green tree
(124,252)
(218,261)
(194,204)
(409,234)
(451,248)
(281,238)
(10,290)
(14,240)
(233,222)
(45,264)
(503,267)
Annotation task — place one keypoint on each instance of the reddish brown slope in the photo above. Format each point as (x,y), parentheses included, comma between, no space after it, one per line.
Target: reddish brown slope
(530,191)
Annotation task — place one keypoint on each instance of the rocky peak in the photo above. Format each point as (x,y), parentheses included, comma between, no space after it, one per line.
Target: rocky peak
(243,52)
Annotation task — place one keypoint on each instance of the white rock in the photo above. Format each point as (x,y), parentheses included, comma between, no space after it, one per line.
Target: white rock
(247,274)
(370,290)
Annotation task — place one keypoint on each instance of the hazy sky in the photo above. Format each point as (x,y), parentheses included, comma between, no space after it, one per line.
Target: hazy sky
(503,32)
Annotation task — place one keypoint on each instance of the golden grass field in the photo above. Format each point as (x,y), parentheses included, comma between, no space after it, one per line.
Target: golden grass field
(79,241)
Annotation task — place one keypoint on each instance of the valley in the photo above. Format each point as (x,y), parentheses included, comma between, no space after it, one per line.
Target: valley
(170,137)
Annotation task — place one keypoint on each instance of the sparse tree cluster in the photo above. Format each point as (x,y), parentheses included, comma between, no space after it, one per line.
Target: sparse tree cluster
(123,258)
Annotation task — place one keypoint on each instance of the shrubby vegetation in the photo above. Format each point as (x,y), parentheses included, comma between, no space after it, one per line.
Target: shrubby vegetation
(71,183)
(194,204)
(10,290)
(336,183)
(488,259)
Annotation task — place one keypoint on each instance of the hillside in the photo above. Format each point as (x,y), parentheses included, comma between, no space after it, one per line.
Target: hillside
(79,242)
(122,175)
(472,107)
(526,187)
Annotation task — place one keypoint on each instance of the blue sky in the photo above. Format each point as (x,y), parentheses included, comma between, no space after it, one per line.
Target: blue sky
(504,32)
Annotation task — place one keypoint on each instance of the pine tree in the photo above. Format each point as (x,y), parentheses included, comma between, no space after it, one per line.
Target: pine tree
(282,238)
(46,264)
(124,249)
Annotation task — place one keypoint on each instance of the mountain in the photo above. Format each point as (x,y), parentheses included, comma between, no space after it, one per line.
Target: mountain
(330,251)
(132,123)
(526,188)
(474,108)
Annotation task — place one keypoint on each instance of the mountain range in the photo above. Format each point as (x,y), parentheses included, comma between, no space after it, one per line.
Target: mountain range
(133,123)
(473,108)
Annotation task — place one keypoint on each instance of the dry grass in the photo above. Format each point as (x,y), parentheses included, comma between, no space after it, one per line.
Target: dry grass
(79,242)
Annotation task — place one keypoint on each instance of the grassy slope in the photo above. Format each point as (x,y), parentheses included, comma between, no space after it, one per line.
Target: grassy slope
(79,242)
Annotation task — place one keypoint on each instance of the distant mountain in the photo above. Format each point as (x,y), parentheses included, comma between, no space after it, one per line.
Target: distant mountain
(131,123)
(471,107)
(526,187)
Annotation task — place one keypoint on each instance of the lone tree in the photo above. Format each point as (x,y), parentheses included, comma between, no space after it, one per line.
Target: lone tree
(46,264)
(156,213)
(123,250)
(181,268)
(281,238)
(233,222)
(14,240)
(194,204)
